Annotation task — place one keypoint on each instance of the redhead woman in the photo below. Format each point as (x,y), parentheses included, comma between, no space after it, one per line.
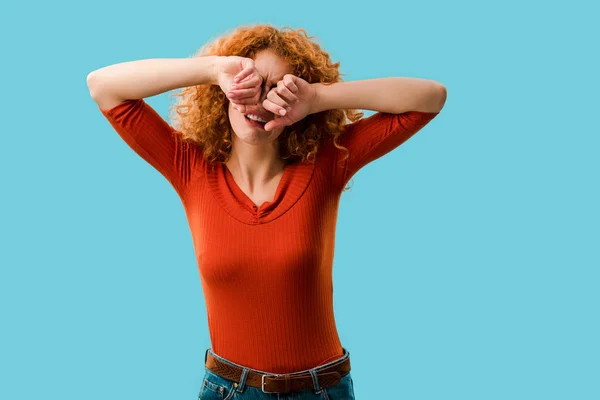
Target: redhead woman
(259,152)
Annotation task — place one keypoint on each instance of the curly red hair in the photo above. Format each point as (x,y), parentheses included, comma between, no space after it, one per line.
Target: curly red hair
(201,115)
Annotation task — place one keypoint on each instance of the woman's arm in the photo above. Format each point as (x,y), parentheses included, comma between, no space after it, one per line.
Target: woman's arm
(139,79)
(404,106)
(119,91)
(394,95)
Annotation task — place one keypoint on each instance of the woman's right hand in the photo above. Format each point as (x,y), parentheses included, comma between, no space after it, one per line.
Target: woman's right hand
(249,85)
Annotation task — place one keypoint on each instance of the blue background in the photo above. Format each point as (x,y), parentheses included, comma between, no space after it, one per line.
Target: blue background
(466,262)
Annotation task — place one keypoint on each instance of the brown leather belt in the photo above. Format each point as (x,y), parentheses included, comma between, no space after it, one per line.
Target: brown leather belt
(279,383)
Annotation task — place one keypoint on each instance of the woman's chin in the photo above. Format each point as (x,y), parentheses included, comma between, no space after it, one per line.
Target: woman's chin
(255,136)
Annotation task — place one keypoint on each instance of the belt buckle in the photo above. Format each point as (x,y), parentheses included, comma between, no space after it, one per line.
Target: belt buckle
(262,386)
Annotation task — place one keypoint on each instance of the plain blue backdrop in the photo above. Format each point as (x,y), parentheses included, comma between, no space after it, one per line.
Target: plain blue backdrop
(466,261)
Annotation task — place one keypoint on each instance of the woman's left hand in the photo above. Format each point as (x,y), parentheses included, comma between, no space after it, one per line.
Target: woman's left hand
(293,94)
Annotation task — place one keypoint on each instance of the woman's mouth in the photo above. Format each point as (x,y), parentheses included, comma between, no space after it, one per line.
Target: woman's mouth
(255,123)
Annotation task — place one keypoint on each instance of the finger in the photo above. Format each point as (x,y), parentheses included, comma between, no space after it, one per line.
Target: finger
(243,74)
(240,107)
(245,96)
(238,94)
(274,124)
(285,93)
(274,108)
(288,81)
(251,98)
(278,101)
(251,81)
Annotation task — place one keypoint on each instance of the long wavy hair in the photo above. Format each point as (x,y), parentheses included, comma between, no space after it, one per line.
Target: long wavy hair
(201,112)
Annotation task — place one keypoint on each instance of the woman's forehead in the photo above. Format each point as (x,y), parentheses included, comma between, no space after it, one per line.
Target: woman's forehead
(270,65)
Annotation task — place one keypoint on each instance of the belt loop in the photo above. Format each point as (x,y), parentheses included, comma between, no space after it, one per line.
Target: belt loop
(242,382)
(315,380)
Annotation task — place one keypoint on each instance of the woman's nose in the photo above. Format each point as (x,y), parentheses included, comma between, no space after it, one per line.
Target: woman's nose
(264,93)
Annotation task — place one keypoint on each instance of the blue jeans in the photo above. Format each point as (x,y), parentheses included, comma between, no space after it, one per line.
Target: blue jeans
(215,387)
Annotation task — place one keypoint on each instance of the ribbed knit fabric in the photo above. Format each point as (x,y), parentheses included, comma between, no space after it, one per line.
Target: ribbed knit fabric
(266,272)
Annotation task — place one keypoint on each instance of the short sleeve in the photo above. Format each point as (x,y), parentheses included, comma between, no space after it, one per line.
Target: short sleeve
(155,141)
(372,137)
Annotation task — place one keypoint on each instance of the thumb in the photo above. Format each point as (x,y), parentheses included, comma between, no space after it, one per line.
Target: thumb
(240,107)
(273,124)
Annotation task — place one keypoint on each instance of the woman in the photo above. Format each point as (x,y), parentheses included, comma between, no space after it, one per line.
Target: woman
(259,158)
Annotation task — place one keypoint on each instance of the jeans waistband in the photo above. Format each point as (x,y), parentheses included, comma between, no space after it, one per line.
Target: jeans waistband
(305,371)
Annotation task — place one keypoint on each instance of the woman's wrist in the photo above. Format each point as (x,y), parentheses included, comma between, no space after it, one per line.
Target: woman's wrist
(215,64)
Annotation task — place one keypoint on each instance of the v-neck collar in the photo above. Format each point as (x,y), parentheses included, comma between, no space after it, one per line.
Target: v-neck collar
(293,183)
(243,197)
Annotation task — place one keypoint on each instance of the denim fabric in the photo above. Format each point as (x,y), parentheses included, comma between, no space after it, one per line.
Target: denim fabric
(215,387)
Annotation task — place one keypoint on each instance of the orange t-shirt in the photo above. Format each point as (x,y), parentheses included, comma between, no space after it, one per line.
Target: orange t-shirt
(266,272)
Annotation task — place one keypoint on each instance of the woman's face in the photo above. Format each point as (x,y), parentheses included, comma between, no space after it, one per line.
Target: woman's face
(272,68)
